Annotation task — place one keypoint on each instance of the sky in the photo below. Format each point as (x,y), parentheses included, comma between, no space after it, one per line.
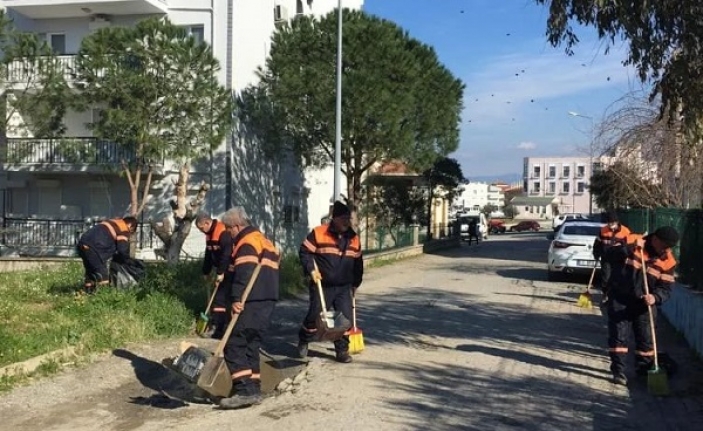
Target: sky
(519,89)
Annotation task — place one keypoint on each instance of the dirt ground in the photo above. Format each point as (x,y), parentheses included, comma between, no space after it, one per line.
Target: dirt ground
(472,339)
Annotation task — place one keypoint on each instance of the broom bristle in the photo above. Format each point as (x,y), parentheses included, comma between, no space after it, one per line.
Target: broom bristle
(356,341)
(584,300)
(657,382)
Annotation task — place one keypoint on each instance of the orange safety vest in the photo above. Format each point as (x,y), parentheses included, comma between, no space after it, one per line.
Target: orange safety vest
(608,237)
(212,238)
(327,243)
(265,250)
(118,228)
(657,267)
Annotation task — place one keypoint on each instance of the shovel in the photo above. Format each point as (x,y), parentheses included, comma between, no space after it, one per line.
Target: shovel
(584,300)
(657,379)
(331,326)
(204,317)
(215,377)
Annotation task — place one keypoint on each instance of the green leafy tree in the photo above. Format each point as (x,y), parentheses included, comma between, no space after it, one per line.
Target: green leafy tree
(621,186)
(160,97)
(34,89)
(399,102)
(664,45)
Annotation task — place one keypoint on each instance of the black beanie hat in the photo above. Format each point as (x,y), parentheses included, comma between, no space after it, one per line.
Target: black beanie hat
(668,235)
(340,210)
(611,217)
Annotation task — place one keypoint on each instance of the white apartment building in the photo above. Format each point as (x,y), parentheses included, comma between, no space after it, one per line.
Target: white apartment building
(475,196)
(564,178)
(47,200)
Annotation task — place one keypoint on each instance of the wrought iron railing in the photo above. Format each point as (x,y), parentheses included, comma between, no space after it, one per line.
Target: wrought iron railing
(35,232)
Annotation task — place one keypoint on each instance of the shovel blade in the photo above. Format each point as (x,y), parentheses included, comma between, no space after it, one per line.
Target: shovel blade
(215,378)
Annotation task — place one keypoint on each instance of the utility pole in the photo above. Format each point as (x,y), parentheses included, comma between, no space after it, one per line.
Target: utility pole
(338,137)
(590,160)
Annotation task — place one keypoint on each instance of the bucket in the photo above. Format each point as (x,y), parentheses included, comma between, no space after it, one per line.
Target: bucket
(191,362)
(332,325)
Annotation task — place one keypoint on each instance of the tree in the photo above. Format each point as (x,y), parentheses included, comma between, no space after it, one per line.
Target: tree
(664,46)
(392,203)
(621,186)
(160,97)
(399,102)
(34,89)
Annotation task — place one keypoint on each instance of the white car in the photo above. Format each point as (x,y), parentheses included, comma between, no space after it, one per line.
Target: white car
(561,218)
(571,250)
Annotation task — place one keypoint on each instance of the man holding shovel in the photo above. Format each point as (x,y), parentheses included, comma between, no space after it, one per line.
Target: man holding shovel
(336,250)
(250,248)
(628,305)
(218,252)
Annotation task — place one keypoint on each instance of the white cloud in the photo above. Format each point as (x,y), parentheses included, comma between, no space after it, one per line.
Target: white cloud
(526,146)
(505,84)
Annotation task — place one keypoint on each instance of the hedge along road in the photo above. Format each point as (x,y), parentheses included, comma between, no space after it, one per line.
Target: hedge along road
(474,338)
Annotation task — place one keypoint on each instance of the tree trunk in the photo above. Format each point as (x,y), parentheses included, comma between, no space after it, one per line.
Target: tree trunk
(174,230)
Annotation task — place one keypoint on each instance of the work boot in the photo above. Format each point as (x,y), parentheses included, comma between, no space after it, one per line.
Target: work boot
(619,379)
(302,350)
(344,357)
(240,401)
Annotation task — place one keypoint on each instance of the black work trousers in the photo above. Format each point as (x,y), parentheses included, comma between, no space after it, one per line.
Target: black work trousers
(93,264)
(336,297)
(621,318)
(219,312)
(242,349)
(605,270)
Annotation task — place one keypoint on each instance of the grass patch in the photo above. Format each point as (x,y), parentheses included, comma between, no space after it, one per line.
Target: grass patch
(42,313)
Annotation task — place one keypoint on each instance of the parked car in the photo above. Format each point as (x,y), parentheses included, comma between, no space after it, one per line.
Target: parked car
(464,220)
(571,250)
(525,225)
(496,226)
(561,218)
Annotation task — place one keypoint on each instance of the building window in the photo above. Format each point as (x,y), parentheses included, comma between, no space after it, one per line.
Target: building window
(536,187)
(580,171)
(597,167)
(299,7)
(536,171)
(581,187)
(552,187)
(291,214)
(197,32)
(57,42)
(565,187)
(552,171)
(566,171)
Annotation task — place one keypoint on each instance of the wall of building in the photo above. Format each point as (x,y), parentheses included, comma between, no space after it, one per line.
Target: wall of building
(566,178)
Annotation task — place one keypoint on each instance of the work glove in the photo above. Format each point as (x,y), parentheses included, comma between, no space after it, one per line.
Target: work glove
(316,276)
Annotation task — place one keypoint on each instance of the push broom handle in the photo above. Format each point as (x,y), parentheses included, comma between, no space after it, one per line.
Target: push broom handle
(649,310)
(212,298)
(223,342)
(593,273)
(354,309)
(319,289)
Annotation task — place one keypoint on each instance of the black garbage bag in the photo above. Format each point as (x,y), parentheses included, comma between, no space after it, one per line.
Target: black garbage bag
(126,272)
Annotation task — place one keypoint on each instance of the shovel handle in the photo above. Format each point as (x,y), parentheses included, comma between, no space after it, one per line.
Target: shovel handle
(319,289)
(649,310)
(223,342)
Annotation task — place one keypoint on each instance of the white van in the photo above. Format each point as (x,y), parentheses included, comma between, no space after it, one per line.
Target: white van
(464,219)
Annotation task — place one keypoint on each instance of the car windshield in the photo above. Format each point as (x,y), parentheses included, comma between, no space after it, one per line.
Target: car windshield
(581,230)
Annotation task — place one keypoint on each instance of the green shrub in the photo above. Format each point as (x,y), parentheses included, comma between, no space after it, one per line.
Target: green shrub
(292,280)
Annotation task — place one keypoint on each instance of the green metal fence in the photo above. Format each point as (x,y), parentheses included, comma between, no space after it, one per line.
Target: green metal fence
(383,238)
(689,223)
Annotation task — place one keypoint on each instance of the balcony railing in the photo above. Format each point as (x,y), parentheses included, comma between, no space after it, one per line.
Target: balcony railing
(24,70)
(66,151)
(34,232)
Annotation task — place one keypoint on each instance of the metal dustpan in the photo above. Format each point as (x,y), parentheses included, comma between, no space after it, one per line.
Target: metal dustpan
(332,326)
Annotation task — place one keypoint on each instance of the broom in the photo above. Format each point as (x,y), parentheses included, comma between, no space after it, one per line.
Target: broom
(201,322)
(657,380)
(585,300)
(356,337)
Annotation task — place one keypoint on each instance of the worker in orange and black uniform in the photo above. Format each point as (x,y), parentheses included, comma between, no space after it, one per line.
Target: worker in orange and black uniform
(336,249)
(628,303)
(218,251)
(612,234)
(99,244)
(250,247)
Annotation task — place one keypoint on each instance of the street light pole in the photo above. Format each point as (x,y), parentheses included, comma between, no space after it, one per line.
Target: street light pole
(338,137)
(590,159)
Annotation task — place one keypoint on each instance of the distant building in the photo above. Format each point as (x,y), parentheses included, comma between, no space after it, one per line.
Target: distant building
(563,179)
(475,196)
